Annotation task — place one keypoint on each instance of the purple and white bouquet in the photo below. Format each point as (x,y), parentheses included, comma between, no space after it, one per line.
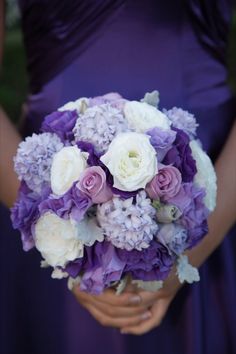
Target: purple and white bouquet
(112,190)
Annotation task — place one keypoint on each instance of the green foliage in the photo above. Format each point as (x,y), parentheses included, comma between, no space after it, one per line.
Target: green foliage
(13,80)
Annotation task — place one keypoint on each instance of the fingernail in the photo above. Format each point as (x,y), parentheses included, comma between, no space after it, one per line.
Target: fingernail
(146,315)
(123,331)
(135,299)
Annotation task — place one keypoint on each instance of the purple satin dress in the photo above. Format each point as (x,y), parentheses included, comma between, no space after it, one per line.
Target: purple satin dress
(86,48)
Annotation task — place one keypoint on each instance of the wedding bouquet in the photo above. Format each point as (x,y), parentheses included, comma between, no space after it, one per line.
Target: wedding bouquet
(112,190)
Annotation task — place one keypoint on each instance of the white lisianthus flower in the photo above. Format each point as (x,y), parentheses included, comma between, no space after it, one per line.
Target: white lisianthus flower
(141,116)
(57,240)
(205,176)
(132,161)
(79,105)
(67,166)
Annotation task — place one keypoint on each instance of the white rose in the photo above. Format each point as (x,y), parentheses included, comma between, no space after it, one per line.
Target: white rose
(79,105)
(57,240)
(132,161)
(141,116)
(67,166)
(206,176)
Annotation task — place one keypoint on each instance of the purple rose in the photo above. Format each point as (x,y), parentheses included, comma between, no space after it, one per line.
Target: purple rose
(73,203)
(60,123)
(180,156)
(25,213)
(166,184)
(161,140)
(93,183)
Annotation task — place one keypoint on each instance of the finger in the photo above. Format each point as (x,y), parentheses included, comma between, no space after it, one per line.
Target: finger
(117,311)
(109,321)
(110,297)
(158,312)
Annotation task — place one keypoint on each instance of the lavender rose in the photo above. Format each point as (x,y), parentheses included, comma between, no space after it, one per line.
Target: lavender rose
(166,184)
(93,183)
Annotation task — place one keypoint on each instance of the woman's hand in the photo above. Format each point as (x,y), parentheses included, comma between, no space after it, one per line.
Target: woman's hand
(135,311)
(111,310)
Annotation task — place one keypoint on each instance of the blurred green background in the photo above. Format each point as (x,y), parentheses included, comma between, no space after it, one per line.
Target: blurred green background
(13,80)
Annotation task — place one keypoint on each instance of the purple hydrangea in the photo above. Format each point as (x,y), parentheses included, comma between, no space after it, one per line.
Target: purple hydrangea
(161,140)
(61,123)
(128,224)
(73,203)
(99,125)
(34,159)
(180,156)
(25,213)
(153,263)
(182,120)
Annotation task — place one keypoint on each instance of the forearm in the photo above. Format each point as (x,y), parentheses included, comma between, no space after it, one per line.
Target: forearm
(224,216)
(9,140)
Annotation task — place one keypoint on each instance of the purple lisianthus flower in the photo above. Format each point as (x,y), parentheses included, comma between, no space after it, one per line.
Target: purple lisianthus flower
(190,201)
(61,123)
(103,267)
(174,237)
(25,213)
(161,140)
(73,203)
(153,263)
(180,156)
(73,268)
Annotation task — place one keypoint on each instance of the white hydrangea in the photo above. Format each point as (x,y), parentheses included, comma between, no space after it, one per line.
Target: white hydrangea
(186,272)
(205,176)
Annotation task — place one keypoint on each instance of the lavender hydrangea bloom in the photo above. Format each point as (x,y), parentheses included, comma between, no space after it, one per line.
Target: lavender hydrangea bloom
(60,123)
(99,125)
(180,156)
(128,224)
(182,120)
(73,203)
(25,213)
(113,98)
(153,263)
(103,267)
(190,200)
(34,158)
(161,140)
